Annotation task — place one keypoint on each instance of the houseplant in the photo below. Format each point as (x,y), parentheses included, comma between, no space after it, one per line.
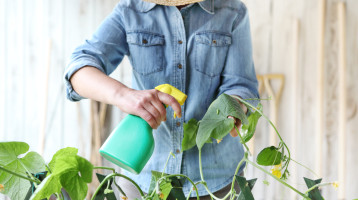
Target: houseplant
(29,177)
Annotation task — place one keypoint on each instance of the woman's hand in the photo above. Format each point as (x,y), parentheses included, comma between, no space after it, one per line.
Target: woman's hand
(147,104)
(91,83)
(237,122)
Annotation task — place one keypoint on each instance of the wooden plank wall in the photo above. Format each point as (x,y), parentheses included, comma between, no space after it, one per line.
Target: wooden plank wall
(272,24)
(27,27)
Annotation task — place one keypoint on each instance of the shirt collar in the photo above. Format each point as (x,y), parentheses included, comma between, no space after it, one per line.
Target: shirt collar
(207,5)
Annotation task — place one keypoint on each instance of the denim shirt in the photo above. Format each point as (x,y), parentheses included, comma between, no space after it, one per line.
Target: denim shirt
(204,50)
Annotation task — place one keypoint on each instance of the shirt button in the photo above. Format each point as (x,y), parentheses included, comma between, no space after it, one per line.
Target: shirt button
(180,66)
(214,41)
(144,41)
(180,42)
(178,123)
(177,151)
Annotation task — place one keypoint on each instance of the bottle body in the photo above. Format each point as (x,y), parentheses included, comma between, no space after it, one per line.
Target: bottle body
(130,145)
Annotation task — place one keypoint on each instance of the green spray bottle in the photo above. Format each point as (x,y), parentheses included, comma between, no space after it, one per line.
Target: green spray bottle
(131,143)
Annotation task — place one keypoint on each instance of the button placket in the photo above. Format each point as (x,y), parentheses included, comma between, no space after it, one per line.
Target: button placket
(179,81)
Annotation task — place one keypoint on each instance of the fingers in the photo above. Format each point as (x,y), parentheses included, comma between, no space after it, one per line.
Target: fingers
(148,117)
(158,105)
(155,114)
(170,101)
(151,109)
(148,104)
(237,122)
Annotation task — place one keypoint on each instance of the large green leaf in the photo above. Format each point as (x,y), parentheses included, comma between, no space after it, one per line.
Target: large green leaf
(248,130)
(69,151)
(269,156)
(75,178)
(190,132)
(69,171)
(15,187)
(216,123)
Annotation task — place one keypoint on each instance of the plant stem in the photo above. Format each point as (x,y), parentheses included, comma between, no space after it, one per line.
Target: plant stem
(244,143)
(59,196)
(119,188)
(305,167)
(114,175)
(107,168)
(279,180)
(166,163)
(187,198)
(204,183)
(21,176)
(237,170)
(268,120)
(316,186)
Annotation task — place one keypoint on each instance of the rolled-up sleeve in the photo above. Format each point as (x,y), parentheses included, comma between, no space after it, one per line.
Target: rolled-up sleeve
(238,76)
(104,51)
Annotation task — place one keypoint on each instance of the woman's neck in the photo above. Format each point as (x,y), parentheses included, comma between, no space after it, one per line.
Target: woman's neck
(182,6)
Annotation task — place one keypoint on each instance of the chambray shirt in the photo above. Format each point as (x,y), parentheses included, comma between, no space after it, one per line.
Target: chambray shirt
(203,50)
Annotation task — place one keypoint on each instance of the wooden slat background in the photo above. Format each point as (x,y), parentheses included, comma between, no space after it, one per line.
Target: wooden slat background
(28,26)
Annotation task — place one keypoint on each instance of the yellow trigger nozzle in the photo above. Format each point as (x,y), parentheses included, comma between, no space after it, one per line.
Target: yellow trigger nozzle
(174,92)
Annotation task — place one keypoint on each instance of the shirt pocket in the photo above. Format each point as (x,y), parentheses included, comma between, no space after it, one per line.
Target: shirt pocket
(146,51)
(211,50)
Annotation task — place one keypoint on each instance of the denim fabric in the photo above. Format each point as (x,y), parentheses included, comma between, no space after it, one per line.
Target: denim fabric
(203,50)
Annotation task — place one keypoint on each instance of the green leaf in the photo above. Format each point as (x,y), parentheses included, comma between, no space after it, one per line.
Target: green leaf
(69,151)
(49,186)
(190,131)
(216,123)
(248,130)
(171,188)
(177,191)
(69,171)
(16,187)
(165,187)
(155,176)
(74,179)
(245,188)
(315,194)
(269,156)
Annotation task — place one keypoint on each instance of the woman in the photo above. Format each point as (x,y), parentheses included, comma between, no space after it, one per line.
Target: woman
(203,48)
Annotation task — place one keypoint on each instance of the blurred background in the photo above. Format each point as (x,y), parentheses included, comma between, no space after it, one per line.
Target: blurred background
(306,60)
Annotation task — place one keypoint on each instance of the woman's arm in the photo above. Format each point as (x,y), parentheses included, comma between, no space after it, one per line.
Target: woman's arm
(91,83)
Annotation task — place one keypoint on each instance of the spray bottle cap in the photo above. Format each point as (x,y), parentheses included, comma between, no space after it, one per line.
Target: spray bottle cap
(174,92)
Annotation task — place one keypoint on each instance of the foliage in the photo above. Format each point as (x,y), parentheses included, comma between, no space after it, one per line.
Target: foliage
(14,186)
(269,156)
(68,171)
(215,123)
(72,173)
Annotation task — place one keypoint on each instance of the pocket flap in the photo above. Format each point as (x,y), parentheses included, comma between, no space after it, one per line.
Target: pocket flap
(145,38)
(213,38)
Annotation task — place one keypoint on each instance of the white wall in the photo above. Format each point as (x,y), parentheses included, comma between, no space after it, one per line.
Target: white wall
(27,26)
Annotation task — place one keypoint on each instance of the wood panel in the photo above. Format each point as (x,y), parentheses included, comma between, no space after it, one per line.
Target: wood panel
(352,98)
(3,47)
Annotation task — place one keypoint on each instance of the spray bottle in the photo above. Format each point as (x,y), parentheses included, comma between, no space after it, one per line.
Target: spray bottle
(131,143)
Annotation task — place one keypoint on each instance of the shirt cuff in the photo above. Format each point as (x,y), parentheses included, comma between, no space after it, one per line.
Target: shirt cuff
(73,67)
